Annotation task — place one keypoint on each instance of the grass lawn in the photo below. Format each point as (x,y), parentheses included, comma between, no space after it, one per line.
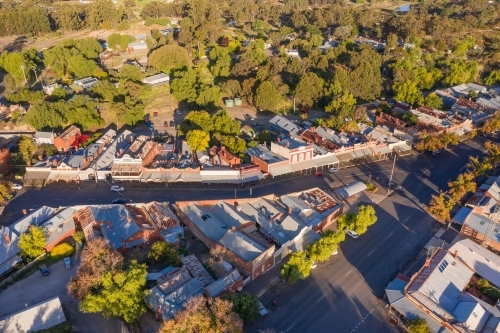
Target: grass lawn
(159,99)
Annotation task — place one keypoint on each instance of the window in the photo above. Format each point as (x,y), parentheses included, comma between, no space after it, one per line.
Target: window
(308,155)
(301,157)
(294,158)
(474,314)
(481,223)
(205,217)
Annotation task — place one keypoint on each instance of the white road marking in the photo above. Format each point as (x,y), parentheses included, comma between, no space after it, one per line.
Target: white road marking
(290,327)
(370,253)
(348,273)
(390,234)
(57,199)
(407,218)
(321,298)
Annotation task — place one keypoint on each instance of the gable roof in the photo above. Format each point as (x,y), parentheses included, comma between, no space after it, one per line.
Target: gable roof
(59,224)
(284,124)
(395,290)
(34,218)
(37,317)
(471,315)
(8,249)
(229,214)
(484,262)
(242,245)
(206,221)
(118,225)
(196,269)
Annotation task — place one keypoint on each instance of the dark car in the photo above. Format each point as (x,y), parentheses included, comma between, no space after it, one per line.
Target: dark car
(44,270)
(172,124)
(119,201)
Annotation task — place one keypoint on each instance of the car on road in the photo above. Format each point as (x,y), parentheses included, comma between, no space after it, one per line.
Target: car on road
(44,270)
(262,310)
(314,265)
(318,174)
(333,170)
(172,124)
(117,189)
(119,201)
(178,111)
(67,263)
(334,253)
(16,186)
(351,233)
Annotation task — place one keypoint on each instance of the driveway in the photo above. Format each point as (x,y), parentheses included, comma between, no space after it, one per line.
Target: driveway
(36,289)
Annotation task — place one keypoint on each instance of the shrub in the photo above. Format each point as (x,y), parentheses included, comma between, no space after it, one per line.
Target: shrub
(164,252)
(492,292)
(62,250)
(370,187)
(123,26)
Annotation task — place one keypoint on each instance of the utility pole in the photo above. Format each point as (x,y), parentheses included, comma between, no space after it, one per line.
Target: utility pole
(25,80)
(392,172)
(34,71)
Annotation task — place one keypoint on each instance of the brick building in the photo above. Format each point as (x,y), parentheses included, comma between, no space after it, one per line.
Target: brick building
(65,141)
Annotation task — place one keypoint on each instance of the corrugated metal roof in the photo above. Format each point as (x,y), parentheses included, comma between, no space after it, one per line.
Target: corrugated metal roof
(242,245)
(34,218)
(196,269)
(461,215)
(395,290)
(206,221)
(492,325)
(8,245)
(352,189)
(291,227)
(229,214)
(40,316)
(408,309)
(484,262)
(281,170)
(471,315)
(217,287)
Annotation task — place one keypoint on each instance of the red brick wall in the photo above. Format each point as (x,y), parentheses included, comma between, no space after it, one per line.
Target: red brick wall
(329,220)
(264,167)
(63,239)
(479,238)
(300,156)
(4,160)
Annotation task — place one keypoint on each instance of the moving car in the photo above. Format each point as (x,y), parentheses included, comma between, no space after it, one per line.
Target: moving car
(117,189)
(333,170)
(44,270)
(67,263)
(119,201)
(318,174)
(352,234)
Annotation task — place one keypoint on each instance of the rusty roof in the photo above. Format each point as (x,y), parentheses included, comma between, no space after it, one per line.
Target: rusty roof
(173,280)
(135,147)
(324,201)
(194,266)
(147,148)
(70,133)
(85,218)
(126,167)
(138,215)
(161,215)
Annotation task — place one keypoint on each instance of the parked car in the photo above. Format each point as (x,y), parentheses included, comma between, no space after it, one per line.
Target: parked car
(314,265)
(119,201)
(44,270)
(172,124)
(262,310)
(351,233)
(318,174)
(333,170)
(16,186)
(334,253)
(67,263)
(117,189)
(177,111)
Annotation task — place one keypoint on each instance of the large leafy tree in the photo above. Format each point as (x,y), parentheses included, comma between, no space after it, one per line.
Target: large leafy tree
(429,142)
(418,325)
(479,167)
(198,140)
(449,138)
(220,61)
(433,101)
(492,125)
(168,57)
(267,97)
(298,266)
(199,120)
(195,86)
(408,92)
(120,293)
(493,150)
(26,149)
(200,315)
(5,191)
(309,89)
(15,62)
(246,305)
(224,124)
(462,185)
(32,243)
(365,217)
(164,253)
(440,207)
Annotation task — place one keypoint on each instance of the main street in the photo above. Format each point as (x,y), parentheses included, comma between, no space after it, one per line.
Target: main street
(339,296)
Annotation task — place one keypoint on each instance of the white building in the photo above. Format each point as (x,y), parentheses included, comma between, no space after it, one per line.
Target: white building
(44,138)
(86,83)
(156,79)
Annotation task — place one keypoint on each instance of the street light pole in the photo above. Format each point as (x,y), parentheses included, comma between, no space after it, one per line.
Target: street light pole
(34,71)
(25,80)
(392,172)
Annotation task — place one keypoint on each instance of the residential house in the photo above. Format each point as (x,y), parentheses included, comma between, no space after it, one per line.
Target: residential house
(230,283)
(59,228)
(86,83)
(156,79)
(225,224)
(41,138)
(66,140)
(196,269)
(438,293)
(41,316)
(223,157)
(172,292)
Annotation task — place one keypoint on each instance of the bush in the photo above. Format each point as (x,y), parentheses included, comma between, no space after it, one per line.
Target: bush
(164,252)
(370,187)
(160,21)
(61,328)
(492,292)
(123,26)
(62,250)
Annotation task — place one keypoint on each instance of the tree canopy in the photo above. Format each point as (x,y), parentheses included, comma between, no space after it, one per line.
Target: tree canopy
(32,243)
(298,266)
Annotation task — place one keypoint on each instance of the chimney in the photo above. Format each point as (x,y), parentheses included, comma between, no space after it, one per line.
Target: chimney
(287,144)
(238,207)
(121,151)
(54,162)
(40,157)
(290,210)
(278,139)
(222,148)
(427,262)
(264,144)
(25,212)
(7,238)
(131,139)
(233,228)
(129,219)
(455,255)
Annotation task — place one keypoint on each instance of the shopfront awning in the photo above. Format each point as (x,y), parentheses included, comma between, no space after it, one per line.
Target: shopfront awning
(252,176)
(221,179)
(281,170)
(32,175)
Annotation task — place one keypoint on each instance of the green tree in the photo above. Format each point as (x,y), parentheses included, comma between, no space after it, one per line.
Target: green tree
(461,71)
(168,57)
(491,125)
(493,78)
(130,73)
(410,118)
(494,151)
(309,89)
(479,167)
(298,266)
(220,61)
(32,243)
(462,185)
(246,305)
(429,142)
(106,91)
(199,120)
(449,138)
(195,86)
(5,191)
(365,217)
(224,124)
(120,294)
(198,140)
(440,207)
(26,149)
(408,92)
(434,101)
(164,253)
(79,237)
(418,325)
(14,63)
(322,249)
(267,97)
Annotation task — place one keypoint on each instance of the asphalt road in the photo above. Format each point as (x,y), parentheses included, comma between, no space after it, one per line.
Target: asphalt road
(340,295)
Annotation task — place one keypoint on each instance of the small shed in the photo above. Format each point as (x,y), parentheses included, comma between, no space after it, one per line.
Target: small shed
(352,189)
(155,79)
(137,46)
(44,138)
